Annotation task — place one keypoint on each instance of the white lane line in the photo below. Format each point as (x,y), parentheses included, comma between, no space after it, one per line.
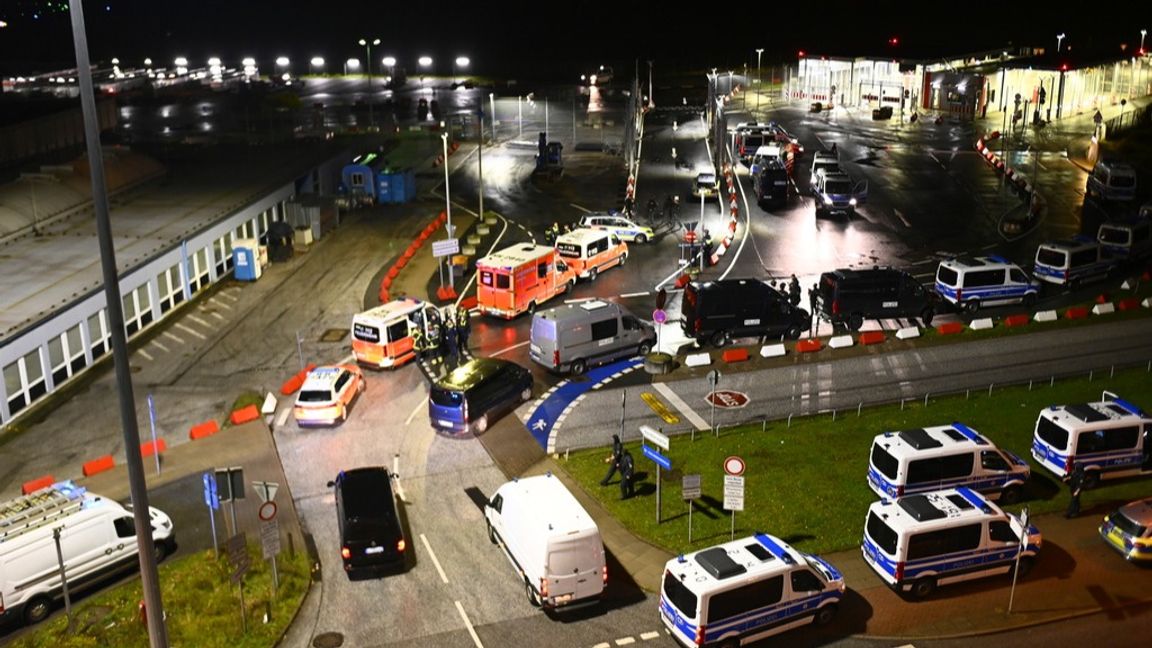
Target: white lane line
(435,560)
(219,303)
(419,406)
(670,277)
(468,624)
(173,337)
(603,644)
(224,294)
(624,641)
(144,353)
(507,349)
(283,417)
(193,331)
(217,316)
(162,347)
(583,209)
(679,404)
(636,294)
(199,321)
(348,359)
(579,299)
(648,636)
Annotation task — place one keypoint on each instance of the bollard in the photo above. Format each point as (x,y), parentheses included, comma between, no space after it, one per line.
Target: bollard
(1091,374)
(1052,381)
(789,420)
(990,388)
(764,425)
(925,399)
(858,406)
(566,454)
(967,394)
(1112,372)
(1029,385)
(901,404)
(833,416)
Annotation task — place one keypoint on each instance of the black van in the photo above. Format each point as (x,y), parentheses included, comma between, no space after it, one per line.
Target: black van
(718,311)
(476,393)
(851,296)
(371,538)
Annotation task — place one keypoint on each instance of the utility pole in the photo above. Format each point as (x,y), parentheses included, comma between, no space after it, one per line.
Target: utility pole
(759,79)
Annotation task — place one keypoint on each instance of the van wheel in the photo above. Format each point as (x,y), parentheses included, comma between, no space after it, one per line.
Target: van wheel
(644,349)
(592,274)
(37,610)
(579,366)
(160,551)
(855,321)
(531,308)
(641,239)
(491,533)
(533,597)
(926,316)
(825,615)
(569,286)
(481,424)
(794,332)
(1030,300)
(1091,480)
(526,395)
(924,587)
(971,306)
(1026,565)
(1010,495)
(622,259)
(721,339)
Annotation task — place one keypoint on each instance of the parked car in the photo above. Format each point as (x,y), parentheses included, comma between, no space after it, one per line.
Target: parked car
(627,230)
(327,395)
(1128,530)
(706,186)
(478,392)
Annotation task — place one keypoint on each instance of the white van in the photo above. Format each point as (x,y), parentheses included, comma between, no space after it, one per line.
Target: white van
(573,337)
(1127,239)
(741,591)
(971,282)
(589,251)
(1109,438)
(919,542)
(944,456)
(1072,262)
(551,541)
(97,539)
(1111,180)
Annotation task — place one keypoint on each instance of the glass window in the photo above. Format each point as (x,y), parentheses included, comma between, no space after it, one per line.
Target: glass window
(884,461)
(129,307)
(56,351)
(755,595)
(1051,433)
(75,341)
(343,380)
(805,581)
(1017,276)
(959,465)
(924,470)
(944,541)
(680,597)
(1001,531)
(542,270)
(125,527)
(12,382)
(605,329)
(32,367)
(503,281)
(991,460)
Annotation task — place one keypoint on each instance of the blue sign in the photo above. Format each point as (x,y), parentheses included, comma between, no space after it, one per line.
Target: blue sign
(661,460)
(210,497)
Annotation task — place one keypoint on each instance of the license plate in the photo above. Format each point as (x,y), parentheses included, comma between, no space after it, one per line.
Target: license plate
(535,349)
(374,550)
(443,423)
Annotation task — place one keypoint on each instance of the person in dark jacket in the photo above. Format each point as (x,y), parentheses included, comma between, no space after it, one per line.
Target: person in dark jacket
(613,460)
(463,329)
(1075,485)
(794,291)
(627,474)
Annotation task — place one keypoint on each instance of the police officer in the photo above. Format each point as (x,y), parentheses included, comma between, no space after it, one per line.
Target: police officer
(613,460)
(463,328)
(794,291)
(450,338)
(812,292)
(627,474)
(629,205)
(1075,485)
(707,243)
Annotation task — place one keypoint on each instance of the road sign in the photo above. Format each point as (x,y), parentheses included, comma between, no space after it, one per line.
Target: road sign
(655,436)
(237,550)
(659,316)
(267,511)
(713,377)
(733,493)
(211,498)
(727,399)
(230,483)
(270,538)
(266,490)
(690,487)
(446,247)
(661,460)
(734,466)
(660,408)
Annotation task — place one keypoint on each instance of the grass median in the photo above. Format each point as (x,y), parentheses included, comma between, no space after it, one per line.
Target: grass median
(806,482)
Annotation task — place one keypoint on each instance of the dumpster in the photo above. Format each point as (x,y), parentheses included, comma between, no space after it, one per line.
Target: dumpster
(402,184)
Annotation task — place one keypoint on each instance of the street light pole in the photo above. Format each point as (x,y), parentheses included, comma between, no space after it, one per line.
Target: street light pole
(1143,33)
(447,203)
(368,46)
(1059,37)
(759,79)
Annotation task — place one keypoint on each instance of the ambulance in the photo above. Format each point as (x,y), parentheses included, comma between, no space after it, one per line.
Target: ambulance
(384,336)
(517,279)
(590,251)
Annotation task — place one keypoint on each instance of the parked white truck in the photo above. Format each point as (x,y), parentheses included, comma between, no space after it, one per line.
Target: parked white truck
(97,539)
(551,541)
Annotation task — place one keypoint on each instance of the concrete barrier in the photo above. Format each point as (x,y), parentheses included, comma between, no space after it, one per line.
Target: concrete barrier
(1104,309)
(841,342)
(98,465)
(1128,303)
(269,405)
(149,448)
(1076,312)
(950,328)
(1016,320)
(808,346)
(1147,303)
(698,360)
(244,414)
(735,355)
(908,333)
(1045,316)
(33,485)
(772,350)
(981,324)
(203,430)
(872,337)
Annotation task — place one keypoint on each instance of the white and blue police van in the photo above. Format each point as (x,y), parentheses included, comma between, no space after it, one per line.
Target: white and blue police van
(1110,438)
(919,542)
(944,456)
(968,283)
(740,591)
(1073,261)
(1127,239)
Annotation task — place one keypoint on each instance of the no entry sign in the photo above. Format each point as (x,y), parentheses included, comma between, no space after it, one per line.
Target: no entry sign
(727,398)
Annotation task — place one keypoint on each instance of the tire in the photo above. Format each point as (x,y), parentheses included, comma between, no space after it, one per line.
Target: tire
(569,286)
(1010,495)
(825,615)
(720,339)
(926,316)
(794,332)
(924,587)
(855,321)
(1030,300)
(481,424)
(579,366)
(533,597)
(644,349)
(1026,565)
(526,395)
(970,306)
(623,258)
(592,274)
(37,610)
(532,308)
(641,239)
(1091,480)
(160,550)
(491,533)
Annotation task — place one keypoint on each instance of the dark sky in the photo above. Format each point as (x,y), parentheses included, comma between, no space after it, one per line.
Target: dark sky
(547,39)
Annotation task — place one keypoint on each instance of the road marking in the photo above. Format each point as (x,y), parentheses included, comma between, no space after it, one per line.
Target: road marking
(190,330)
(283,417)
(624,641)
(143,353)
(169,335)
(647,636)
(219,303)
(583,209)
(224,294)
(199,321)
(636,294)
(162,347)
(679,404)
(436,562)
(579,299)
(468,624)
(217,316)
(603,644)
(419,406)
(660,408)
(507,349)
(900,215)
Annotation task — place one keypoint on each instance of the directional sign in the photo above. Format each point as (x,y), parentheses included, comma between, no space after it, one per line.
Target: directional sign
(727,399)
(660,408)
(655,436)
(211,499)
(237,549)
(266,490)
(734,466)
(446,247)
(733,493)
(690,487)
(661,460)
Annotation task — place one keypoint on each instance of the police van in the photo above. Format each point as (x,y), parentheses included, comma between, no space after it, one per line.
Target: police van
(1127,239)
(944,456)
(741,591)
(1112,181)
(972,282)
(920,542)
(1109,438)
(1072,262)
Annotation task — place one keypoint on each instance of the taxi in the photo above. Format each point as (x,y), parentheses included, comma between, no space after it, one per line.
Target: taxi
(624,228)
(327,394)
(1128,530)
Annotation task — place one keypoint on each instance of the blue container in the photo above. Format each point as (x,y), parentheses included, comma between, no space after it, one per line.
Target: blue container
(245,263)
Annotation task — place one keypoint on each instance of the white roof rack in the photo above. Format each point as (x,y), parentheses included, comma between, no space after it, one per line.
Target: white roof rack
(36,509)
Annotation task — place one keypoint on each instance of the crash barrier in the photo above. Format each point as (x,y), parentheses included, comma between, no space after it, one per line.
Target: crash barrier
(872,337)
(1076,312)
(908,333)
(1045,316)
(245,414)
(1016,320)
(1131,303)
(949,328)
(981,324)
(149,448)
(698,360)
(295,382)
(735,355)
(840,342)
(1104,309)
(202,430)
(34,485)
(385,292)
(772,350)
(1036,202)
(734,211)
(98,465)
(808,346)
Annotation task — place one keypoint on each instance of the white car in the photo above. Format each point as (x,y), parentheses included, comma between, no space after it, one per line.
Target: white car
(706,185)
(622,227)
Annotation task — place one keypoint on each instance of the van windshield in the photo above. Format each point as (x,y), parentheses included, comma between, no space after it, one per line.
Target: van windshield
(883,461)
(1052,434)
(946,276)
(881,533)
(445,397)
(680,597)
(1113,235)
(1050,257)
(572,558)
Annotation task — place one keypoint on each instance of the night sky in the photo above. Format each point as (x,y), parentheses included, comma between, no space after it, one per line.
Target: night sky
(545,39)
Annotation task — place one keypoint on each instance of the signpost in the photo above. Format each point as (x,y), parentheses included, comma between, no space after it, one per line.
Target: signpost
(446,247)
(269,526)
(660,460)
(237,550)
(689,491)
(713,380)
(1019,550)
(659,316)
(212,501)
(230,486)
(733,489)
(152,423)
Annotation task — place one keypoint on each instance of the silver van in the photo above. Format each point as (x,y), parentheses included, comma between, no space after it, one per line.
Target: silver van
(1127,239)
(573,337)
(1112,180)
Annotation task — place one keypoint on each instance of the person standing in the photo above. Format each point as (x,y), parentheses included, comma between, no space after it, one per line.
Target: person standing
(812,292)
(627,474)
(418,341)
(613,460)
(707,243)
(463,328)
(794,291)
(1075,485)
(450,339)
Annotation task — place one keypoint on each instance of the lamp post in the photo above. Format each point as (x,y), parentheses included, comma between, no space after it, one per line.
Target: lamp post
(448,203)
(282,63)
(492,116)
(759,79)
(1143,33)
(425,63)
(316,62)
(1059,37)
(351,64)
(368,71)
(390,63)
(460,62)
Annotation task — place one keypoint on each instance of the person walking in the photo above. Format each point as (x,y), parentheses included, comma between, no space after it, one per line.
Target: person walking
(812,292)
(627,474)
(1075,485)
(418,342)
(613,460)
(450,340)
(707,243)
(463,328)
(794,291)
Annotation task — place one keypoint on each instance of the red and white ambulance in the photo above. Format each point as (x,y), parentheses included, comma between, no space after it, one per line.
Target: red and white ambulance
(589,251)
(384,336)
(517,279)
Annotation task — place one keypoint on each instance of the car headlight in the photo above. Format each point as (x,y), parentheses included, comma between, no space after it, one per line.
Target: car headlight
(852,201)
(827,200)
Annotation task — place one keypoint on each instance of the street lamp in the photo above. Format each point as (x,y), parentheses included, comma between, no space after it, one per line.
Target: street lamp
(368,71)
(316,62)
(462,62)
(759,79)
(1143,33)
(425,63)
(390,63)
(282,62)
(1059,37)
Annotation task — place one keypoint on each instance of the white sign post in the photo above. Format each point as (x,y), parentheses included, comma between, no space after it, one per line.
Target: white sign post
(656,437)
(733,489)
(269,526)
(713,380)
(690,490)
(1019,550)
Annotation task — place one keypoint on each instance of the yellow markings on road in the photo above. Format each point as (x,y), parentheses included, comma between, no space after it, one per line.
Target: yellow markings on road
(660,408)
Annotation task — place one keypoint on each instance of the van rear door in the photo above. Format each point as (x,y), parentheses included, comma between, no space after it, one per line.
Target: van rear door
(543,345)
(575,567)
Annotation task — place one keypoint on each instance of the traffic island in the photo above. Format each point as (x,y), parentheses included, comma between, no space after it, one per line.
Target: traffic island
(659,363)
